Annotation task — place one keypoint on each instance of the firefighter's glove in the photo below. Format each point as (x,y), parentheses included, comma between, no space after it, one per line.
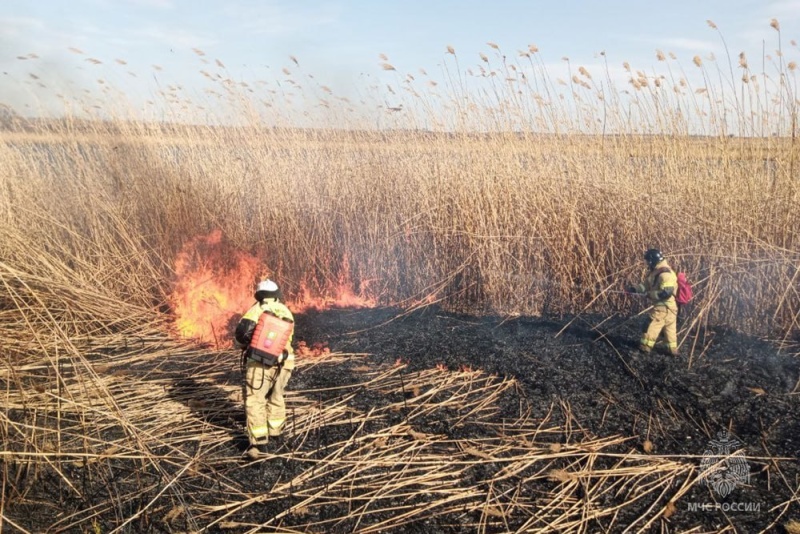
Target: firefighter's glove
(665,293)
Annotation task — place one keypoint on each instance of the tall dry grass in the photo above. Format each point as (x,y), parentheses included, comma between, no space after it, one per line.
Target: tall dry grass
(491,191)
(500,223)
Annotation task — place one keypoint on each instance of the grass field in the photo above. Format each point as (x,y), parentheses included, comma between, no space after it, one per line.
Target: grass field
(493,223)
(529,217)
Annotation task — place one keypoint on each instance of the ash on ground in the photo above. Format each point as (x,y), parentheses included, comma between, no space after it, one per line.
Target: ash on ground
(429,421)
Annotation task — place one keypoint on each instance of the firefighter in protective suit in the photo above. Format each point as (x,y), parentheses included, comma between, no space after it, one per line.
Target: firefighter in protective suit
(660,287)
(266,332)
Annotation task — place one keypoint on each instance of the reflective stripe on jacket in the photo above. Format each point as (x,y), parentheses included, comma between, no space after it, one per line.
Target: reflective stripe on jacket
(661,278)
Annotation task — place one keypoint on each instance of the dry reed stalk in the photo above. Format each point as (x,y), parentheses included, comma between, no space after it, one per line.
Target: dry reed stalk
(465,220)
(492,237)
(370,455)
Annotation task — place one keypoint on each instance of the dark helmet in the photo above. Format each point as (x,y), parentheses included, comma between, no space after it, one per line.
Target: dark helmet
(267,289)
(653,256)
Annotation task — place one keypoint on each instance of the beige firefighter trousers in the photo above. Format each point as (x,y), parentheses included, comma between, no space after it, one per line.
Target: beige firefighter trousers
(662,319)
(264,402)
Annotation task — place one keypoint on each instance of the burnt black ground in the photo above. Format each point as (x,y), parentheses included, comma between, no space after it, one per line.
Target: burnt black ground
(736,383)
(564,359)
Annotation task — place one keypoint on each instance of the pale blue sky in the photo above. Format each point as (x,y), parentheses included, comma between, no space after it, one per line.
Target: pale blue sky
(339,42)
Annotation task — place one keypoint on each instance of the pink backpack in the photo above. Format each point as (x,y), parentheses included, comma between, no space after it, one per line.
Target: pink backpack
(684,293)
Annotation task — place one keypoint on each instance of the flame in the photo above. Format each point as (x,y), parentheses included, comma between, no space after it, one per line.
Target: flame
(214,285)
(339,295)
(315,350)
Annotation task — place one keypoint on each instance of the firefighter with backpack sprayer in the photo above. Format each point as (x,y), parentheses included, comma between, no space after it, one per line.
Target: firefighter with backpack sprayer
(660,286)
(265,334)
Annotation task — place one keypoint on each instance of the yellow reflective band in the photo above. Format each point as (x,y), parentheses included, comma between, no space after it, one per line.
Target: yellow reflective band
(647,342)
(276,423)
(259,431)
(253,313)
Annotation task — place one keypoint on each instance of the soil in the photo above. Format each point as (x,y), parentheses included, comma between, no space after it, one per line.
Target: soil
(734,383)
(560,385)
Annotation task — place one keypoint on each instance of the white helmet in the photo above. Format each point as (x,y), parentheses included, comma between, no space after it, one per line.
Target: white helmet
(267,289)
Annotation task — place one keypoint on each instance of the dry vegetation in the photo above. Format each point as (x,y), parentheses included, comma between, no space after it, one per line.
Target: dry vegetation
(546,210)
(155,457)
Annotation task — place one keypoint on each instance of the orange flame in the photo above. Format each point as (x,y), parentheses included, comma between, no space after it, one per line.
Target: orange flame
(339,295)
(315,350)
(214,285)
